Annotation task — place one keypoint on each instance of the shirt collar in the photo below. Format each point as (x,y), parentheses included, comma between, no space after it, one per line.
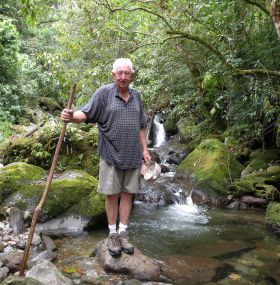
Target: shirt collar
(116,93)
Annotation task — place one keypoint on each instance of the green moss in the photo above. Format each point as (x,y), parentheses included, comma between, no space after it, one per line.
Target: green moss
(17,150)
(170,124)
(49,104)
(66,192)
(187,128)
(260,184)
(213,166)
(273,213)
(260,158)
(16,175)
(92,205)
(193,133)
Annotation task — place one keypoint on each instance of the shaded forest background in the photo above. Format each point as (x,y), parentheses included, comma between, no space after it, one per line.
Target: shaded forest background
(213,61)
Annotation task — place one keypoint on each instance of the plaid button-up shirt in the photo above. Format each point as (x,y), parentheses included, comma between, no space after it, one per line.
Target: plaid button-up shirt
(119,125)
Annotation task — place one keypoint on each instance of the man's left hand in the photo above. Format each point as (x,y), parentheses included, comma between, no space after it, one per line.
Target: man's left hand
(146,156)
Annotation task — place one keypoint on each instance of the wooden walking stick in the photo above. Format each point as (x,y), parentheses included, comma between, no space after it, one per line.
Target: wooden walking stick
(47,187)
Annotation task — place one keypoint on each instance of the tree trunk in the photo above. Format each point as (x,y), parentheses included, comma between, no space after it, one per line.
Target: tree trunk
(275,13)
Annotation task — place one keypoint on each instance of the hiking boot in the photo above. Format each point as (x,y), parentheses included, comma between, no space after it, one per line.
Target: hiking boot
(126,246)
(114,245)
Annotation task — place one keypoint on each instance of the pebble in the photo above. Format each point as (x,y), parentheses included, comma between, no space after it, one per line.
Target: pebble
(21,244)
(36,240)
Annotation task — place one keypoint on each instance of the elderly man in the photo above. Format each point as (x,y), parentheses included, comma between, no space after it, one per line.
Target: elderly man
(118,110)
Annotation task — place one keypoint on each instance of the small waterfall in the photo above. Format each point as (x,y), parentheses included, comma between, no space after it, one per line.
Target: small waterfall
(159,131)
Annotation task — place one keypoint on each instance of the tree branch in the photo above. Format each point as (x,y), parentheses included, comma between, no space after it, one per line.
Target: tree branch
(257,72)
(145,10)
(204,43)
(261,7)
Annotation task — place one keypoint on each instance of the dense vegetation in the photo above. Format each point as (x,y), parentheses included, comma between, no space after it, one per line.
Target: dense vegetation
(213,60)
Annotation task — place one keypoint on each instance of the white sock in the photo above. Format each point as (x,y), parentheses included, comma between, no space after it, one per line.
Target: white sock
(112,229)
(122,228)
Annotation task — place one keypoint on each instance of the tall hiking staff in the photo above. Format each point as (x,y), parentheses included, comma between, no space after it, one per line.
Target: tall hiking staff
(47,186)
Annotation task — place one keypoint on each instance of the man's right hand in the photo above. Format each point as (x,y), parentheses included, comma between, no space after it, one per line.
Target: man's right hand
(67,115)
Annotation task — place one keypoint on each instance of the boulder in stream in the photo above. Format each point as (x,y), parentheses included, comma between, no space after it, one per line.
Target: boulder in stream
(22,185)
(136,265)
(212,166)
(273,217)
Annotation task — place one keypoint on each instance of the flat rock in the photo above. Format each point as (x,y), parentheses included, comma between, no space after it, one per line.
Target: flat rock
(136,265)
(48,274)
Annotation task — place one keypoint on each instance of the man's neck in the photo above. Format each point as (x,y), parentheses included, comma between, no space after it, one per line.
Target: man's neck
(124,93)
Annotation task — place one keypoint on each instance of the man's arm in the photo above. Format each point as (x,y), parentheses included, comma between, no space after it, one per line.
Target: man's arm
(145,152)
(69,116)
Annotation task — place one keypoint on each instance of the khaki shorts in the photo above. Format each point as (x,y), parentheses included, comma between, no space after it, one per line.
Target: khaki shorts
(113,180)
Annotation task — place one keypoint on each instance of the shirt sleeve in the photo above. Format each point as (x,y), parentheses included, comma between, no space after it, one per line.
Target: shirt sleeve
(93,109)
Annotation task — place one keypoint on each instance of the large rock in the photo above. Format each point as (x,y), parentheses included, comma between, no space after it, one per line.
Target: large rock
(63,225)
(48,274)
(273,217)
(72,191)
(136,265)
(261,184)
(260,159)
(49,104)
(15,175)
(212,166)
(192,132)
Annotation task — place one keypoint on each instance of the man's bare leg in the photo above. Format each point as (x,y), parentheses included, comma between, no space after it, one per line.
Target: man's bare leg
(111,207)
(125,210)
(125,207)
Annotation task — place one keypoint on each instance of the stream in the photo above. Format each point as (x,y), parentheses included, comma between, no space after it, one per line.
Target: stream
(237,238)
(201,245)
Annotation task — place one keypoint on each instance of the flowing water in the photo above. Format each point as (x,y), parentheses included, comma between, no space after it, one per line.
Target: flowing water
(238,239)
(159,131)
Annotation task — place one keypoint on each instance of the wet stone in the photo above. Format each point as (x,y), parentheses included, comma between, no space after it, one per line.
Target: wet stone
(135,265)
(16,220)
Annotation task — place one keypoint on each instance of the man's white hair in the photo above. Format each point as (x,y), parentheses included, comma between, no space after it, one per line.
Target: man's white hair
(120,62)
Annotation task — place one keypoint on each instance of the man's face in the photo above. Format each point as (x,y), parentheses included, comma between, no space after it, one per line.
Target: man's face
(123,76)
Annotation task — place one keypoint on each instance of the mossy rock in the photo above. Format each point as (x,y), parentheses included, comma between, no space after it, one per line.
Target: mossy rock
(78,151)
(213,167)
(261,184)
(273,213)
(273,217)
(187,128)
(49,104)
(170,124)
(193,132)
(261,159)
(15,175)
(74,192)
(22,184)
